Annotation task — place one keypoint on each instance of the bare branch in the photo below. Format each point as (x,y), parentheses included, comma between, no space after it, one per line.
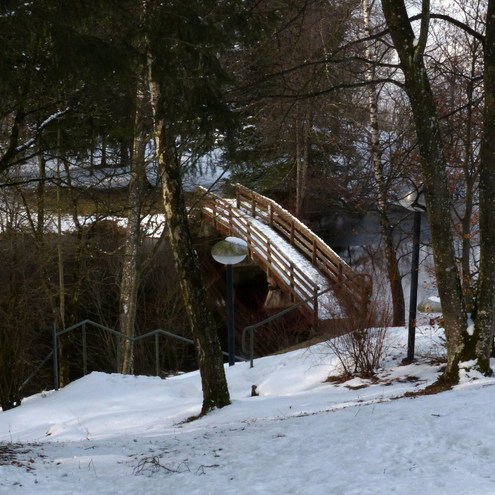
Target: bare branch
(423,33)
(313,94)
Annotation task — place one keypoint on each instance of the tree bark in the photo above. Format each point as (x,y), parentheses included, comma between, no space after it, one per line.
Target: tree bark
(207,345)
(129,283)
(394,278)
(41,190)
(303,126)
(418,89)
(63,346)
(467,277)
(485,319)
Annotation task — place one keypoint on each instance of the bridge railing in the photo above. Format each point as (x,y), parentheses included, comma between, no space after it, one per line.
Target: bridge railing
(356,287)
(226,218)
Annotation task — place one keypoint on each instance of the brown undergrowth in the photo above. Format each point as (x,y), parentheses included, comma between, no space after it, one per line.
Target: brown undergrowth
(16,454)
(441,385)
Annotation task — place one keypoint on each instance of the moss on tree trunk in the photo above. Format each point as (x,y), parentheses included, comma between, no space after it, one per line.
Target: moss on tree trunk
(434,171)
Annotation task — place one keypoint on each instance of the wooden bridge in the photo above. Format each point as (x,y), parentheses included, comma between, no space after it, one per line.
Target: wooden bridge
(295,260)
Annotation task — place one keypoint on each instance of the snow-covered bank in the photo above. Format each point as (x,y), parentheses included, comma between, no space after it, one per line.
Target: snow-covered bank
(113,434)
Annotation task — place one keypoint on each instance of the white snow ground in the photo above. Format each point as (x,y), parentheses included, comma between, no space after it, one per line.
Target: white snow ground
(113,434)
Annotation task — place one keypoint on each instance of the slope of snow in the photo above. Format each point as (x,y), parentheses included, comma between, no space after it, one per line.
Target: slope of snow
(113,434)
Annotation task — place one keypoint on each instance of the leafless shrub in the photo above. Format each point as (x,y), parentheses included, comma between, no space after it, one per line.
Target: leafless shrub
(152,464)
(23,314)
(362,344)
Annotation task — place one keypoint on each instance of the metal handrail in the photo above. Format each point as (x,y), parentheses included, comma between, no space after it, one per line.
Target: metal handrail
(120,335)
(252,328)
(35,372)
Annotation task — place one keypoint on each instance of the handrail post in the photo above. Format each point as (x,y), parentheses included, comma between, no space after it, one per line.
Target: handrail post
(251,348)
(55,358)
(157,354)
(117,338)
(85,351)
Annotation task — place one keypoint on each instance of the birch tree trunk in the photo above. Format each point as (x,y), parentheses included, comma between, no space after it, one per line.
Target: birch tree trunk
(207,345)
(130,271)
(396,291)
(418,89)
(469,177)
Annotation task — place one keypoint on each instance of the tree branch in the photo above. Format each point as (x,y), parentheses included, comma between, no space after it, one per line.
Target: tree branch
(423,32)
(313,94)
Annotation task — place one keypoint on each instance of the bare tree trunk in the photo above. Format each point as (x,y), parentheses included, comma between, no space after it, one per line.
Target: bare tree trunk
(467,279)
(208,351)
(63,347)
(130,271)
(394,278)
(306,137)
(40,200)
(485,319)
(418,89)
(303,127)
(299,166)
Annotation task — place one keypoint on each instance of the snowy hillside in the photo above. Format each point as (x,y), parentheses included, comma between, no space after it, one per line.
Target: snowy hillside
(113,434)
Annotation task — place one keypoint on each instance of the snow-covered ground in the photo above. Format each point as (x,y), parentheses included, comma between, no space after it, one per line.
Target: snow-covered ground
(113,434)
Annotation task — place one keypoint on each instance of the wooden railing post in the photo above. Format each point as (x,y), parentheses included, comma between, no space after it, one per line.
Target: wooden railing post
(292,282)
(231,232)
(315,248)
(316,315)
(214,213)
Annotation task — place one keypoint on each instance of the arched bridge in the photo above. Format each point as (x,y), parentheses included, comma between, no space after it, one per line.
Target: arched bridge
(295,259)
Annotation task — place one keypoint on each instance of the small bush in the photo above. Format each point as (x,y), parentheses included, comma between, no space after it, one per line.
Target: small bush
(361,347)
(360,352)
